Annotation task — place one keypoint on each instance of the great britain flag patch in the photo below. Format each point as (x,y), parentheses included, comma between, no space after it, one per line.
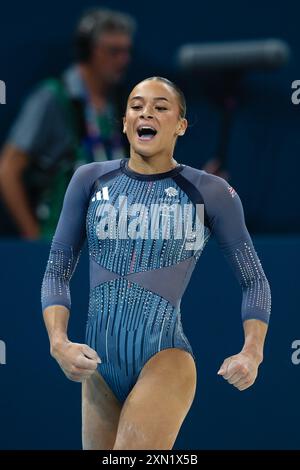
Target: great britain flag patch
(231,191)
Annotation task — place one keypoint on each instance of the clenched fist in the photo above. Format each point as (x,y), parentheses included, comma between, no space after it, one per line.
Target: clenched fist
(78,361)
(240,370)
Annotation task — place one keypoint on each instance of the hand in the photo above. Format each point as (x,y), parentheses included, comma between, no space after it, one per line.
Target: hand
(31,231)
(215,167)
(78,361)
(240,370)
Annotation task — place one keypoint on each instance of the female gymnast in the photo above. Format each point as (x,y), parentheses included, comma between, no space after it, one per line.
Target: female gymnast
(146,220)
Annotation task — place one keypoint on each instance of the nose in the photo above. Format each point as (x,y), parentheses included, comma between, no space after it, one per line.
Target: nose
(147,112)
(123,59)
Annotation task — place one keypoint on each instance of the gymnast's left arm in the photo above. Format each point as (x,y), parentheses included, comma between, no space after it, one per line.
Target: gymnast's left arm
(226,217)
(241,369)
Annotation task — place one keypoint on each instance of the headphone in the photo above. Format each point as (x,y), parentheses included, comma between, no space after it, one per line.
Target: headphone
(93,23)
(84,35)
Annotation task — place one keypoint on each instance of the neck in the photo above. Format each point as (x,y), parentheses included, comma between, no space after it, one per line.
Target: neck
(97,89)
(152,164)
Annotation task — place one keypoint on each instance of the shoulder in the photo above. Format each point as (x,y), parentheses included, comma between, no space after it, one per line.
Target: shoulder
(40,101)
(42,93)
(87,173)
(98,168)
(208,184)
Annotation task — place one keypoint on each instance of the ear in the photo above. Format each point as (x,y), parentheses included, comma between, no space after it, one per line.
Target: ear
(182,126)
(124,125)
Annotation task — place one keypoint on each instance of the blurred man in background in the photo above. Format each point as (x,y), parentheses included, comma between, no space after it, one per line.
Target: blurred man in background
(67,122)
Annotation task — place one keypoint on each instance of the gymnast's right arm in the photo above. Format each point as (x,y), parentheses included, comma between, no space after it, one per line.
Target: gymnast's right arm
(78,361)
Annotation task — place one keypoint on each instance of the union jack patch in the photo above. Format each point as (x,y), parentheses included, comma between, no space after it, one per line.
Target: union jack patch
(231,190)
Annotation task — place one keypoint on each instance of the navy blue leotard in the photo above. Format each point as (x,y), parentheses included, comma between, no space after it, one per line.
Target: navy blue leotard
(145,234)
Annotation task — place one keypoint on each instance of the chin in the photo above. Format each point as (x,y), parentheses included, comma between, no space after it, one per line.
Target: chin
(144,150)
(111,80)
(117,77)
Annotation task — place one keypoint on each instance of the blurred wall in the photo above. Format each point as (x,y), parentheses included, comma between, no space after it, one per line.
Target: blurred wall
(264,146)
(40,408)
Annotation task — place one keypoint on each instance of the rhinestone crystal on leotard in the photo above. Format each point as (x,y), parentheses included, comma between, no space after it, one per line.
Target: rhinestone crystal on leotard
(60,267)
(252,278)
(137,284)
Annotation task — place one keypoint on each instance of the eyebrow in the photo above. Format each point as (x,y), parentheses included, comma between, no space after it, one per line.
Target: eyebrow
(154,99)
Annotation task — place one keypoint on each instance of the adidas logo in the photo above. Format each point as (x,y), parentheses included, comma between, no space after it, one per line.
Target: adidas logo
(102,194)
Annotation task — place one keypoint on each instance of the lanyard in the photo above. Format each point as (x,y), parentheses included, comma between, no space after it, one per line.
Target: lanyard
(102,138)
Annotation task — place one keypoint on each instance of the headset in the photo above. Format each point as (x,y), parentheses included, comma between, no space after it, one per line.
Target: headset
(95,21)
(85,34)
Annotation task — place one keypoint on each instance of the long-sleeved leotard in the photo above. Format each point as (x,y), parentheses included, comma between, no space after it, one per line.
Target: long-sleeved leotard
(145,234)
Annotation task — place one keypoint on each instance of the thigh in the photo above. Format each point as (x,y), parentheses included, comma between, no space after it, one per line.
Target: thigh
(159,402)
(100,414)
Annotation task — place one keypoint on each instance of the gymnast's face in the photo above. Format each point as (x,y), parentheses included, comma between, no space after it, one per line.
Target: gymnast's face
(152,121)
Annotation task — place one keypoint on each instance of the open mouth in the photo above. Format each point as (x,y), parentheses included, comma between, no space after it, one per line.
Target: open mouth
(146,132)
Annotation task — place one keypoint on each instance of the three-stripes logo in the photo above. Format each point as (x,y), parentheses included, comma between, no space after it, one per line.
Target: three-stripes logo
(102,194)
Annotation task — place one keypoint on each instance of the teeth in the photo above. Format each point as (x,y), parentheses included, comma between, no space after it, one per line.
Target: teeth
(143,132)
(146,127)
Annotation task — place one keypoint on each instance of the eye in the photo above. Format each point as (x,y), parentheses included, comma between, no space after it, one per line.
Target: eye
(161,108)
(137,106)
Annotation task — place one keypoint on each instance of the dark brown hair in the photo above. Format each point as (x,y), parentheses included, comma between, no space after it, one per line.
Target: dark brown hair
(179,93)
